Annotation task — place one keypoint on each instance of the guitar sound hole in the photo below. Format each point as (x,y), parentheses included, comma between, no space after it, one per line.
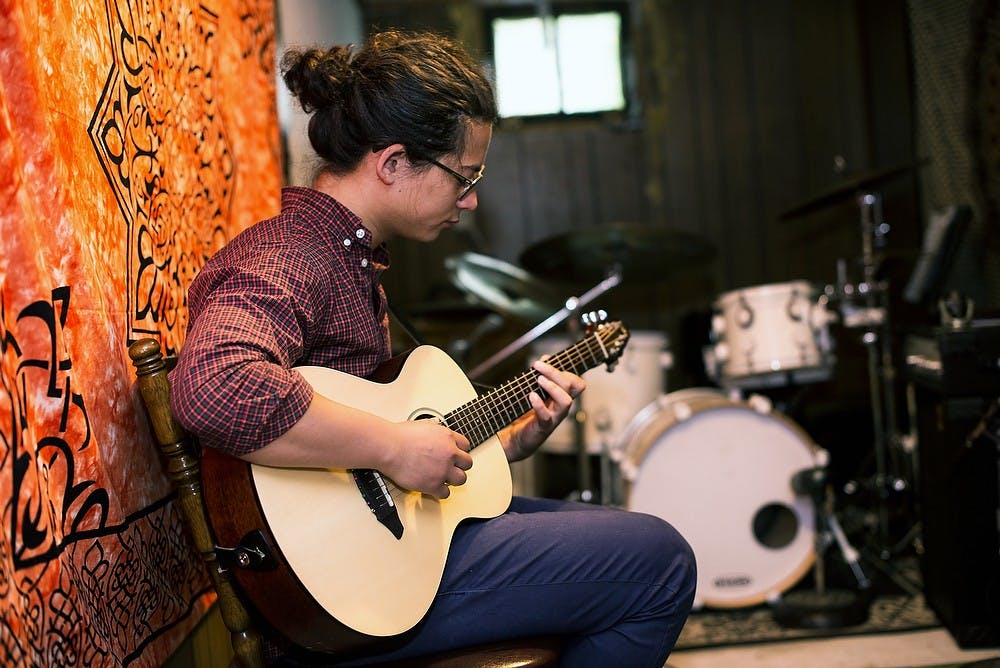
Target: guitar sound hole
(425,414)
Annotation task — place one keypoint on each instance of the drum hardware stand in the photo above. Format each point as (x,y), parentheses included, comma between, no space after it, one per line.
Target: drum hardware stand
(824,607)
(603,425)
(583,493)
(873,318)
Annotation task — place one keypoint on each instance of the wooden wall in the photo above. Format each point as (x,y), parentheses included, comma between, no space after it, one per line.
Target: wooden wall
(744,106)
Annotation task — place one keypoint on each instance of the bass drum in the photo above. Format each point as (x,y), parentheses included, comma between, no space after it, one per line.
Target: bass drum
(720,471)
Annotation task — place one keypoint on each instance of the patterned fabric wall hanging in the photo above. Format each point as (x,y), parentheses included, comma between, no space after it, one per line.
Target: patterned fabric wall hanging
(136,137)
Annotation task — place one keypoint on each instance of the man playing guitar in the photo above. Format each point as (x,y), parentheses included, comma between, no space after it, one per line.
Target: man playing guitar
(402,128)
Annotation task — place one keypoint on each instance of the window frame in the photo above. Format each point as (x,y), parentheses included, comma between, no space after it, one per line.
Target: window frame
(625,50)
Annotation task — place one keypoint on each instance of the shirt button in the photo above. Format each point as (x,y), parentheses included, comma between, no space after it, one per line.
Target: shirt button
(347,242)
(364,262)
(359,233)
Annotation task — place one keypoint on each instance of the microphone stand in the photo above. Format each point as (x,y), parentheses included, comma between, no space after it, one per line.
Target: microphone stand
(572,305)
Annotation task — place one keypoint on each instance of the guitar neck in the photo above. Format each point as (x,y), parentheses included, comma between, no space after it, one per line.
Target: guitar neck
(484,416)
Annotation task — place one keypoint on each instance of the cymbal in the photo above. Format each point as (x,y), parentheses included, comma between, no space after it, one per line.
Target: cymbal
(641,253)
(846,189)
(507,289)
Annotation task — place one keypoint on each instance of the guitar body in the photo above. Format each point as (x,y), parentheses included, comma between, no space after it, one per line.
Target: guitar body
(314,560)
(338,566)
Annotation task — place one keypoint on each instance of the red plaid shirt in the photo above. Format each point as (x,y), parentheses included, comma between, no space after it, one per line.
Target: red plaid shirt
(302,288)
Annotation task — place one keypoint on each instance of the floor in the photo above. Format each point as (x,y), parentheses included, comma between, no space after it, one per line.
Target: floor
(914,649)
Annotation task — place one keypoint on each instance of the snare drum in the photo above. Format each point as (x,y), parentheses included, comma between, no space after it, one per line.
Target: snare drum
(720,471)
(770,335)
(612,398)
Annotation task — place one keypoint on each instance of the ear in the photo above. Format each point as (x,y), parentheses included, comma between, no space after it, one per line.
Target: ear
(388,163)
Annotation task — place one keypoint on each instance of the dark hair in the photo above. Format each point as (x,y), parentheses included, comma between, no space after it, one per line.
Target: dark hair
(418,89)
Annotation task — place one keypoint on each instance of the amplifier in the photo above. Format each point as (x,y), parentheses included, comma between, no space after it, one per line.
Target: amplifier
(956,361)
(955,374)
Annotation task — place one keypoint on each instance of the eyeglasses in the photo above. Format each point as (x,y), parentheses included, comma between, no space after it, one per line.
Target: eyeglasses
(467,183)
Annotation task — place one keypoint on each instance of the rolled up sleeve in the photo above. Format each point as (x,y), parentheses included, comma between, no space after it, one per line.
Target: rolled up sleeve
(234,386)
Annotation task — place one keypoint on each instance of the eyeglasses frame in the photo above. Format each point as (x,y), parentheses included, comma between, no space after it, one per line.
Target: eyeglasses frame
(462,179)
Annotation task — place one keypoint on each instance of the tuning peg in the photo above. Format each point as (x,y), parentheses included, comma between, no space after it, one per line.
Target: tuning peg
(594,317)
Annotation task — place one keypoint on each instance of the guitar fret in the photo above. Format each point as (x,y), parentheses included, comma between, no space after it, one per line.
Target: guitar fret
(484,416)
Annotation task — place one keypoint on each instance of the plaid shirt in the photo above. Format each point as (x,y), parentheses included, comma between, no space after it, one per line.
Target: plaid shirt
(302,288)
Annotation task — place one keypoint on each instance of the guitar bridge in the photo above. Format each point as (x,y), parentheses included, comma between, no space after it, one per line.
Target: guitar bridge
(379,499)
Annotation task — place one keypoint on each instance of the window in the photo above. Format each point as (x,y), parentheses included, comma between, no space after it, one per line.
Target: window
(559,63)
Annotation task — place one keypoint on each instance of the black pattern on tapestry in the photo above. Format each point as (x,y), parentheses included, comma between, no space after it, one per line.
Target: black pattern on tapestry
(162,143)
(33,348)
(72,560)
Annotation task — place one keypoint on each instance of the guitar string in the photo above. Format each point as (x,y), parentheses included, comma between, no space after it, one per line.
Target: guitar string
(462,418)
(511,397)
(525,383)
(571,358)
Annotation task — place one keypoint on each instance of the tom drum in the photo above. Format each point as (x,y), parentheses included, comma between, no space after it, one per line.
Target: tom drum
(770,335)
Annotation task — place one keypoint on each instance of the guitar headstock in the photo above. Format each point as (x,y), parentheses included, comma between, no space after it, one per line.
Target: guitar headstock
(612,334)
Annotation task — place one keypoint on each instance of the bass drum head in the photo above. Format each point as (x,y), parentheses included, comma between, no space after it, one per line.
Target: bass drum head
(720,471)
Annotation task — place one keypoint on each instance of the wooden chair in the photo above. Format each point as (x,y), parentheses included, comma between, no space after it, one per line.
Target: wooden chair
(181,457)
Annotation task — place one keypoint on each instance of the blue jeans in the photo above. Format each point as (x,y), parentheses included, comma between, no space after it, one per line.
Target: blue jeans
(618,585)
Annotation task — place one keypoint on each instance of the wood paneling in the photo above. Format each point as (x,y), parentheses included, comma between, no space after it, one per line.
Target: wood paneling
(744,106)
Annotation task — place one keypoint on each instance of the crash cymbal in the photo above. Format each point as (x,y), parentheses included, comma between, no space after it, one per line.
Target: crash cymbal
(641,253)
(847,188)
(508,289)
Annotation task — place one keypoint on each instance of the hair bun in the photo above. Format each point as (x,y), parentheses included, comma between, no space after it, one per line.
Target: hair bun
(317,78)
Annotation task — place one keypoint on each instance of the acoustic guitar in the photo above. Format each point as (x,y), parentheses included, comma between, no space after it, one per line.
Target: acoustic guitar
(327,554)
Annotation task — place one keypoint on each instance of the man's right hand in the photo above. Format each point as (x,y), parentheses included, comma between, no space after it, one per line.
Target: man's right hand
(427,457)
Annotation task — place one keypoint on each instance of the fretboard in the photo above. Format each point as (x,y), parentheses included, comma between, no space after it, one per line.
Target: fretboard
(484,416)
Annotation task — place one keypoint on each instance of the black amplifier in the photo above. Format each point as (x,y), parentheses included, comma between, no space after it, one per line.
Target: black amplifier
(956,361)
(955,375)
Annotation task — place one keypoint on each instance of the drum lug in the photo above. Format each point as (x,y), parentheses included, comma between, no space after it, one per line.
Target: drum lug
(821,457)
(683,410)
(718,325)
(795,306)
(760,403)
(745,316)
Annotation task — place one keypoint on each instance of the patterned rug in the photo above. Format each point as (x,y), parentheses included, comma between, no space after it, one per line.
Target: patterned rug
(893,610)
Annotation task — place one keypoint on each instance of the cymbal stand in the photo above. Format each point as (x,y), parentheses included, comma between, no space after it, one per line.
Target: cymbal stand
(872,317)
(823,606)
(583,493)
(572,305)
(602,423)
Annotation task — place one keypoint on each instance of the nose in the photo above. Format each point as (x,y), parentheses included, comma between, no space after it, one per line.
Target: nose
(470,202)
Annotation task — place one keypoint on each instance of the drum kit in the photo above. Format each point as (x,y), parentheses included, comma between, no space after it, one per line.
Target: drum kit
(741,480)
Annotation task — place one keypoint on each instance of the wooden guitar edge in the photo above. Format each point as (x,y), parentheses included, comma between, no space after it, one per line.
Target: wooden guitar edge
(278,599)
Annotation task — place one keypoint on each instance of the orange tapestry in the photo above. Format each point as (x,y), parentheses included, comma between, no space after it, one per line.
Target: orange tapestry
(135,139)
